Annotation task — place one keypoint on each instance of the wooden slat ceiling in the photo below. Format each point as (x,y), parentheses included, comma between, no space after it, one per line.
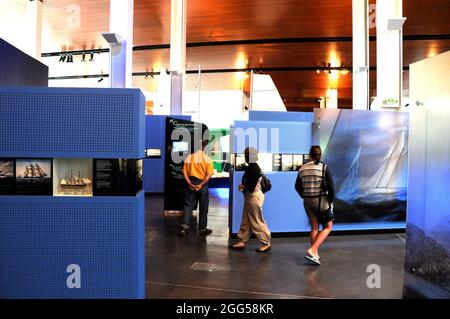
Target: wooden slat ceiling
(225,20)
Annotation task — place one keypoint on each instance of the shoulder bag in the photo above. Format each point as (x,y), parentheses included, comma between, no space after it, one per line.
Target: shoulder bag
(328,215)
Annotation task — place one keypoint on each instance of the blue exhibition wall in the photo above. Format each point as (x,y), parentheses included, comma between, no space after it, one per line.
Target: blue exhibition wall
(155,137)
(48,241)
(70,123)
(283,208)
(272,137)
(19,69)
(280,116)
(427,261)
(41,236)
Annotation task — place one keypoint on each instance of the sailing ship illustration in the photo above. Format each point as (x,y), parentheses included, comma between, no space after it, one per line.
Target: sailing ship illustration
(77,181)
(6,170)
(34,171)
(389,181)
(349,189)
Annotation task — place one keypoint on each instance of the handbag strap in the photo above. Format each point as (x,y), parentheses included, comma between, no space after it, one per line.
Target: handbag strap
(320,191)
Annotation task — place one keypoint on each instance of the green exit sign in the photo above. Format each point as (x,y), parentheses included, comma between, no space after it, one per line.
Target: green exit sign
(390,101)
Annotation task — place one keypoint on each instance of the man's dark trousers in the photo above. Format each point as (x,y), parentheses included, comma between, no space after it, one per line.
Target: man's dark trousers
(190,201)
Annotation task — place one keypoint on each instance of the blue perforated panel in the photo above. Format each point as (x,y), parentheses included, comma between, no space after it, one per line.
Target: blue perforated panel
(72,122)
(41,236)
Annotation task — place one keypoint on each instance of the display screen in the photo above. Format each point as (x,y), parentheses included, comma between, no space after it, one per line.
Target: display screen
(117,177)
(180,146)
(153,152)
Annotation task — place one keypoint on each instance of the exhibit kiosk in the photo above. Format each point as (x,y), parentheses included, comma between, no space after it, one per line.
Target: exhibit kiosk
(369,167)
(155,154)
(71,205)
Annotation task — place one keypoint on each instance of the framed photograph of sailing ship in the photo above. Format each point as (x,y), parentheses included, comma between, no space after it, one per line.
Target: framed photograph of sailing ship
(276,163)
(7,176)
(34,176)
(367,155)
(286,162)
(72,177)
(297,161)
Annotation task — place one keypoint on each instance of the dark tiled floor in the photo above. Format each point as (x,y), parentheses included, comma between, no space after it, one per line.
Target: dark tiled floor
(282,273)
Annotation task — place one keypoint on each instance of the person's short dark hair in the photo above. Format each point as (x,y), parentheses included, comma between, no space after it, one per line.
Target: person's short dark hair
(315,153)
(251,155)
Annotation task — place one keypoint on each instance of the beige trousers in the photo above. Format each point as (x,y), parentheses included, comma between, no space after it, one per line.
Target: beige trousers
(253,220)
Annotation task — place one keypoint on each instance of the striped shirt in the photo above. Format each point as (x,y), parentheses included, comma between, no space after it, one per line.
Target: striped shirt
(311,177)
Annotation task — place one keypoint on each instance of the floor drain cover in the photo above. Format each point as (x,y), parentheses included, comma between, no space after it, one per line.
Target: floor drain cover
(204,266)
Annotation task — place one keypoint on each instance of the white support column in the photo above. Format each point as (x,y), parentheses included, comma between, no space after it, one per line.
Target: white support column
(332,98)
(389,53)
(34,28)
(177,54)
(360,54)
(121,23)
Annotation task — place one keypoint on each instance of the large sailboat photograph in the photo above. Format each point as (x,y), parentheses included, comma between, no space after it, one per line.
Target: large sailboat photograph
(368,157)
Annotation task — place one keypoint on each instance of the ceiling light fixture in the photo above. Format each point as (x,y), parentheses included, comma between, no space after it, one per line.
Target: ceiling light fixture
(62,58)
(92,57)
(84,57)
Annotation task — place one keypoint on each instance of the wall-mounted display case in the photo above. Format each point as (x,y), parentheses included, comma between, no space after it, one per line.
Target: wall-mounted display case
(72,177)
(117,177)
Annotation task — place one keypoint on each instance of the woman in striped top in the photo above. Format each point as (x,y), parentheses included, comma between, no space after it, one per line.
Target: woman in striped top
(311,175)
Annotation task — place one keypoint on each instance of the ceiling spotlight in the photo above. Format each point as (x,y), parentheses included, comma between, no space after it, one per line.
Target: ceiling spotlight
(62,58)
(146,75)
(84,57)
(70,58)
(100,80)
(92,57)
(112,38)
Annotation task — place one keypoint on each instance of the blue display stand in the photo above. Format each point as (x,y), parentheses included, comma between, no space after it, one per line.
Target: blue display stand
(41,236)
(155,137)
(283,208)
(45,240)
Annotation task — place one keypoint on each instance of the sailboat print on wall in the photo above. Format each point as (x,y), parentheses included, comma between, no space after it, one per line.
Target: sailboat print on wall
(389,182)
(349,189)
(367,154)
